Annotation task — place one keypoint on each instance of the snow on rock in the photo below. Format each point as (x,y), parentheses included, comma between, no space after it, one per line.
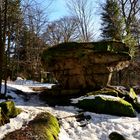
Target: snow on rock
(75,100)
(25,85)
(21,87)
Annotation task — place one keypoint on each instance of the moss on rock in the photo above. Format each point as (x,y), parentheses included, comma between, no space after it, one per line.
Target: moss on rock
(44,127)
(112,46)
(80,49)
(113,106)
(104,92)
(132,94)
(46,123)
(132,98)
(129,96)
(9,109)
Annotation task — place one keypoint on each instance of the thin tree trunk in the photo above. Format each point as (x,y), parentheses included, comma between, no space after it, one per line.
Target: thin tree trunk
(4,40)
(1,48)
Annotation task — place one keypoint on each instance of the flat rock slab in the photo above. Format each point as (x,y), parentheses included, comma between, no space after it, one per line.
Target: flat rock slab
(85,65)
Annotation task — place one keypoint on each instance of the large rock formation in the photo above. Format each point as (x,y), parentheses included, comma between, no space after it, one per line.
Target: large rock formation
(85,65)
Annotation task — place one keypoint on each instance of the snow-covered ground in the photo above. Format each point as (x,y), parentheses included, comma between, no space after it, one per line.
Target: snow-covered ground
(97,128)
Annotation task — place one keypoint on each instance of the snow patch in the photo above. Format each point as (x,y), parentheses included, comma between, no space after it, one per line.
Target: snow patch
(76,100)
(97,128)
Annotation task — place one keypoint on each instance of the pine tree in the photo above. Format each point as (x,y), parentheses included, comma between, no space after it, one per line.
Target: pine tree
(111,21)
(9,20)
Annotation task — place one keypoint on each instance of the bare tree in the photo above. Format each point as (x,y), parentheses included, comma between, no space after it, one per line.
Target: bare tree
(130,10)
(83,11)
(68,28)
(52,35)
(62,30)
(35,21)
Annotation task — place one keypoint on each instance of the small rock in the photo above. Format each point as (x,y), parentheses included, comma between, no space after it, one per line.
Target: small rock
(116,136)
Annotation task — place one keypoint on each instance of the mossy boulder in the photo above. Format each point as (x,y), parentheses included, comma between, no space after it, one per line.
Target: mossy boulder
(113,106)
(9,109)
(129,96)
(44,127)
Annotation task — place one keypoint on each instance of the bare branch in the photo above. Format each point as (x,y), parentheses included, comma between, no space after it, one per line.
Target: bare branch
(82,10)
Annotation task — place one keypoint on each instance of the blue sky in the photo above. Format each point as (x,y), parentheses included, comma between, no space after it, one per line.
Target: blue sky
(58,9)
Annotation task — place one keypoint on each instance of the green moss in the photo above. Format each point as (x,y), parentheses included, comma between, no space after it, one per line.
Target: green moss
(132,94)
(79,50)
(9,109)
(51,53)
(48,134)
(134,100)
(118,107)
(102,46)
(111,46)
(46,126)
(59,50)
